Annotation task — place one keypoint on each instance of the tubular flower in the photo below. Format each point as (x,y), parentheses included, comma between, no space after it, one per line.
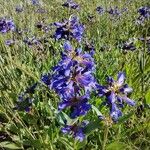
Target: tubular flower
(100,10)
(71,4)
(114,11)
(77,130)
(6,25)
(72,75)
(69,29)
(116,93)
(144,14)
(24,101)
(10,42)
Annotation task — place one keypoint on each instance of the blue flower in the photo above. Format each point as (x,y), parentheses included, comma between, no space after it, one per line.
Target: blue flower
(116,93)
(129,45)
(9,42)
(73,80)
(114,11)
(71,4)
(144,14)
(6,25)
(69,29)
(23,104)
(35,2)
(79,105)
(90,48)
(77,130)
(32,41)
(46,78)
(24,101)
(100,10)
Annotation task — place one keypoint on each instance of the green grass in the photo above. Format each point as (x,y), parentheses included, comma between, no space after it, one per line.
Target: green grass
(21,66)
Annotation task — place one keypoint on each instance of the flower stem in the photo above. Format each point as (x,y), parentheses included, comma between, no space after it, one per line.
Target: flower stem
(105,136)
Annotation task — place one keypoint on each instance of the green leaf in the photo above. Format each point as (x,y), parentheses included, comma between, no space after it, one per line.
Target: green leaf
(34,143)
(147,97)
(63,117)
(9,145)
(116,146)
(92,126)
(81,144)
(97,111)
(125,117)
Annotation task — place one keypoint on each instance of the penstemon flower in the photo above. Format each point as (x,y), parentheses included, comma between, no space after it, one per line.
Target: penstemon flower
(73,80)
(100,10)
(77,130)
(6,25)
(71,4)
(24,101)
(144,14)
(116,93)
(69,29)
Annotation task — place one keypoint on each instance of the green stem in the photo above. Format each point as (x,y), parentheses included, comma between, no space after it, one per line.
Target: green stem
(105,137)
(74,145)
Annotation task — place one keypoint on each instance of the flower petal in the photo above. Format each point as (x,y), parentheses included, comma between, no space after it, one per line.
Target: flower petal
(121,78)
(128,101)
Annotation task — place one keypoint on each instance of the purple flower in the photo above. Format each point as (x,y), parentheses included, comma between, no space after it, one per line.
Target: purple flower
(77,130)
(100,10)
(46,78)
(145,12)
(32,41)
(43,27)
(71,4)
(73,74)
(89,47)
(114,11)
(9,42)
(18,9)
(35,2)
(116,93)
(24,102)
(78,104)
(69,29)
(129,46)
(6,25)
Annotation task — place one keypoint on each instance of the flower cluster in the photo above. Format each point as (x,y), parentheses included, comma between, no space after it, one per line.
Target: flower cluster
(6,25)
(112,11)
(76,130)
(35,2)
(144,13)
(71,4)
(100,10)
(116,93)
(129,45)
(72,76)
(24,101)
(69,29)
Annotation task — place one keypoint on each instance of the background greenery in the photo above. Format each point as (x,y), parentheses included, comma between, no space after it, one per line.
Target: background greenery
(21,66)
